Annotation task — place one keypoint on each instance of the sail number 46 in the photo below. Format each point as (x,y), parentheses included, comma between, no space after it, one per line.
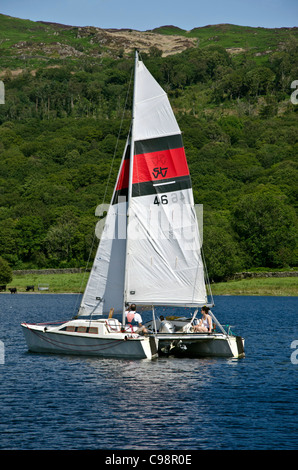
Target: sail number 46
(162,200)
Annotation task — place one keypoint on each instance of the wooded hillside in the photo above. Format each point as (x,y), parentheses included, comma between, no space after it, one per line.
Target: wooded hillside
(65,91)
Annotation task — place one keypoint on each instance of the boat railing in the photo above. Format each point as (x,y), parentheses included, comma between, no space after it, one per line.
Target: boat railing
(50,323)
(113,325)
(229,331)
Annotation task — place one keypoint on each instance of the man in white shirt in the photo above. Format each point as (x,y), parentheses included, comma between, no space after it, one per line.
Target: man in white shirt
(132,316)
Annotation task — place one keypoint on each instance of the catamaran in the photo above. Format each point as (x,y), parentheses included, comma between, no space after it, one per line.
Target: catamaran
(150,251)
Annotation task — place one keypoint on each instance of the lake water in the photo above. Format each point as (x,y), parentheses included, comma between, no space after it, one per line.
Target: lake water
(64,402)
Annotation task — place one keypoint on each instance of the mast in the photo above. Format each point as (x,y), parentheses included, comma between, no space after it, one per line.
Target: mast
(132,133)
(131,156)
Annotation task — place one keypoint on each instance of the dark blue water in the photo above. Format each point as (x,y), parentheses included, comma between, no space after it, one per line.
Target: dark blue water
(65,402)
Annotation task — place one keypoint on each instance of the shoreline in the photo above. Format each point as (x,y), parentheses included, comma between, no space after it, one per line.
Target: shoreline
(247,294)
(42,293)
(75,283)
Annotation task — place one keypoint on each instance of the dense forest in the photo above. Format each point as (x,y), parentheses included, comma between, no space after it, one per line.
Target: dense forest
(63,128)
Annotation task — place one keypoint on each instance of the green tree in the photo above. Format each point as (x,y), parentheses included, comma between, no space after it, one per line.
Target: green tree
(155,52)
(267,227)
(222,252)
(29,237)
(64,242)
(5,272)
(8,246)
(260,81)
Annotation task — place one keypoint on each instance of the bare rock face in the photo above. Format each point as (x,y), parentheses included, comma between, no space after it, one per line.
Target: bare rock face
(130,39)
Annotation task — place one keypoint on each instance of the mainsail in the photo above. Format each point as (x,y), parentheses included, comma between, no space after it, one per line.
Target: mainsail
(150,250)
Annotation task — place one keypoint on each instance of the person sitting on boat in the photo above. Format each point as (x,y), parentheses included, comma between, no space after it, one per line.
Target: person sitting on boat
(132,316)
(205,324)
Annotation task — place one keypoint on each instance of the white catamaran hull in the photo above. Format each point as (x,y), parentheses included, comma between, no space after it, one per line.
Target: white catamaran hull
(177,338)
(74,337)
(201,345)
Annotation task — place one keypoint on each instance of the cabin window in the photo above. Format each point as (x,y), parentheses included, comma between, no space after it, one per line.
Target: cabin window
(70,328)
(93,330)
(81,329)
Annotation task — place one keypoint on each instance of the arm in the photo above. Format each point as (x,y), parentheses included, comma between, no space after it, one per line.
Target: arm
(210,323)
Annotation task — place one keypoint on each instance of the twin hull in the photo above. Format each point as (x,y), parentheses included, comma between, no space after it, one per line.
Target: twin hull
(104,338)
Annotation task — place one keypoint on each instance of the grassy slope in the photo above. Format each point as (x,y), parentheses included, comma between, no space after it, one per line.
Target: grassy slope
(287,286)
(19,38)
(14,30)
(57,282)
(228,36)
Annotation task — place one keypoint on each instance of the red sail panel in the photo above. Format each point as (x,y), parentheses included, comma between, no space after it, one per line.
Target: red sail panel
(154,166)
(122,182)
(160,165)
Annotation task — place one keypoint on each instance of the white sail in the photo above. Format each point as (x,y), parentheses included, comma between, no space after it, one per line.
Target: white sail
(164,265)
(154,116)
(105,285)
(104,289)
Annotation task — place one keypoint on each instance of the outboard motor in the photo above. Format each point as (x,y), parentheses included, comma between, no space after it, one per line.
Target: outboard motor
(166,327)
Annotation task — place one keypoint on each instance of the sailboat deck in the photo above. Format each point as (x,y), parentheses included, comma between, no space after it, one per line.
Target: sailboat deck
(97,327)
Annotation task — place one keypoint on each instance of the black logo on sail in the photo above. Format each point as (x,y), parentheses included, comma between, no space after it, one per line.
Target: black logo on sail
(159,171)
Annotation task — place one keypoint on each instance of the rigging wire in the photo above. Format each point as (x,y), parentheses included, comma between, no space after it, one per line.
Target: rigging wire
(207,277)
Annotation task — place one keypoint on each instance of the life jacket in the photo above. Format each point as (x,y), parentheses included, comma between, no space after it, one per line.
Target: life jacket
(130,316)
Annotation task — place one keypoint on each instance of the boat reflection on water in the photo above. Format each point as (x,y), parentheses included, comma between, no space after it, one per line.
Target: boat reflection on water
(150,378)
